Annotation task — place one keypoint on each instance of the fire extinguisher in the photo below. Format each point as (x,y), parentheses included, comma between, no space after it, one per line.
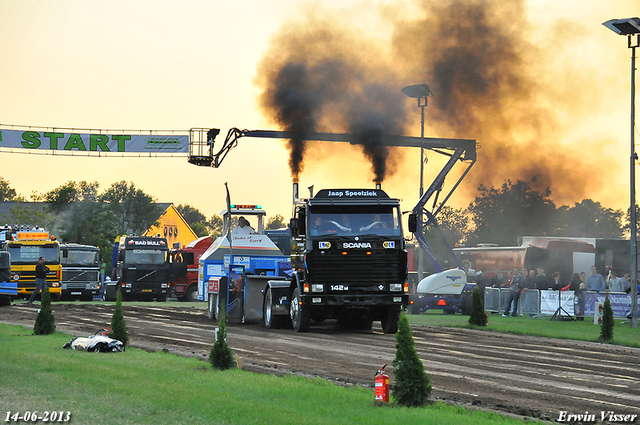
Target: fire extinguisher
(382,386)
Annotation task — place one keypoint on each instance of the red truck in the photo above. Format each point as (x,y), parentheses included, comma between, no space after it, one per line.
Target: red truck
(185,285)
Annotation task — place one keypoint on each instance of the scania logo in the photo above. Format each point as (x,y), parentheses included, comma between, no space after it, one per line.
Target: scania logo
(356,245)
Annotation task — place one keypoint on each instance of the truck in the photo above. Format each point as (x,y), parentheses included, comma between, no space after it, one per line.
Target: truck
(140,269)
(80,271)
(186,260)
(26,246)
(347,263)
(348,260)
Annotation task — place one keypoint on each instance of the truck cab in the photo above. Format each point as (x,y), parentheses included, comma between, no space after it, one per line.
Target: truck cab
(80,271)
(348,259)
(141,269)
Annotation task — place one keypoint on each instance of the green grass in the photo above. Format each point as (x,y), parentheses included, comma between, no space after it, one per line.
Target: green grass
(136,387)
(623,334)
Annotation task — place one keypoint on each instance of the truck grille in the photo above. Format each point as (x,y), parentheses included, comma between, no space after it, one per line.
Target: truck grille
(357,269)
(76,276)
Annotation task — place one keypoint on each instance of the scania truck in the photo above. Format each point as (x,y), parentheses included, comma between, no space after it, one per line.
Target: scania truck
(348,262)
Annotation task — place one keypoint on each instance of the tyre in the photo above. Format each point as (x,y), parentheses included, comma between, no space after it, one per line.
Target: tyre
(390,322)
(161,298)
(191,294)
(364,324)
(270,321)
(212,306)
(299,319)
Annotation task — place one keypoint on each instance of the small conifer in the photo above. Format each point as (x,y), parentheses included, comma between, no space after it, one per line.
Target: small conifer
(478,316)
(118,323)
(221,356)
(45,323)
(413,386)
(606,327)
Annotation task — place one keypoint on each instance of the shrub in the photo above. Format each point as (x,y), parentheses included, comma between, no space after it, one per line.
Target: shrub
(221,356)
(606,327)
(45,323)
(478,316)
(118,323)
(413,386)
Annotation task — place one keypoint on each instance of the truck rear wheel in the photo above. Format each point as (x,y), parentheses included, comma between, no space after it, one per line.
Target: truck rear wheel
(390,322)
(212,306)
(268,319)
(300,319)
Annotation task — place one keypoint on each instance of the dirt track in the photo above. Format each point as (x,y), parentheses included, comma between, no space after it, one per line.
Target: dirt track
(528,376)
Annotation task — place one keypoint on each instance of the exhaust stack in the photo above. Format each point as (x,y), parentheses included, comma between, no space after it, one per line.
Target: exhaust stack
(378,186)
(296,197)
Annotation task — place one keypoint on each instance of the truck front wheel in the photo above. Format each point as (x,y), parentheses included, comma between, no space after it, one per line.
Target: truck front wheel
(192,294)
(390,321)
(299,318)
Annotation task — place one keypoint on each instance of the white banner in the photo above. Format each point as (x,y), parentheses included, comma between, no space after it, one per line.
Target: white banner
(549,302)
(80,142)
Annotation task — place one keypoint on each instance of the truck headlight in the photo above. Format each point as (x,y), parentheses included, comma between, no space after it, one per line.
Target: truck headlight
(55,285)
(164,285)
(317,287)
(396,287)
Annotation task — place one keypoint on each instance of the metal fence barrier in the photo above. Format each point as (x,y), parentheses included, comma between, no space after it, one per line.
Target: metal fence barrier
(530,302)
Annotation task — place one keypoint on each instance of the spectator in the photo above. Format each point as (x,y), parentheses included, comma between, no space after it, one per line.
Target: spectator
(542,283)
(616,284)
(482,280)
(555,283)
(530,280)
(627,282)
(41,279)
(515,286)
(595,282)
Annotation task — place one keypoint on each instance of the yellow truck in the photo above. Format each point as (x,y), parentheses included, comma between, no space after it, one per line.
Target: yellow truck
(26,247)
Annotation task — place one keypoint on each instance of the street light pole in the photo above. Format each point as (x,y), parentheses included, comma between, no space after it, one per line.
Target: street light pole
(422,93)
(631,27)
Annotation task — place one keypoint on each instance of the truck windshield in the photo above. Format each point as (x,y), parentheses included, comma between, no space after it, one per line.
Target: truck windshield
(145,256)
(338,220)
(29,254)
(80,258)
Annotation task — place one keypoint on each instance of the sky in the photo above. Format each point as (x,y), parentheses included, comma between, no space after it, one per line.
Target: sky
(541,85)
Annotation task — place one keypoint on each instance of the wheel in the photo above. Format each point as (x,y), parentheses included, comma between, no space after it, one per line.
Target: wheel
(191,295)
(161,298)
(364,323)
(212,307)
(269,320)
(299,319)
(390,322)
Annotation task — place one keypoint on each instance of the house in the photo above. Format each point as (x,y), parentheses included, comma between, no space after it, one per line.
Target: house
(172,225)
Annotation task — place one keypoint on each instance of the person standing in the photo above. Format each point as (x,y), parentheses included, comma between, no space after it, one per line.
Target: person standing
(595,282)
(542,282)
(616,284)
(516,285)
(41,279)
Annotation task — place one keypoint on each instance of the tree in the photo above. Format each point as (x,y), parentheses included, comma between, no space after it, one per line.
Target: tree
(7,193)
(590,219)
(502,214)
(45,323)
(118,322)
(221,356)
(195,219)
(276,222)
(413,385)
(215,225)
(134,210)
(606,327)
(478,316)
(454,225)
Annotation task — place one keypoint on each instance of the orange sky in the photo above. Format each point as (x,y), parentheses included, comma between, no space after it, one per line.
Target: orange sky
(177,65)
